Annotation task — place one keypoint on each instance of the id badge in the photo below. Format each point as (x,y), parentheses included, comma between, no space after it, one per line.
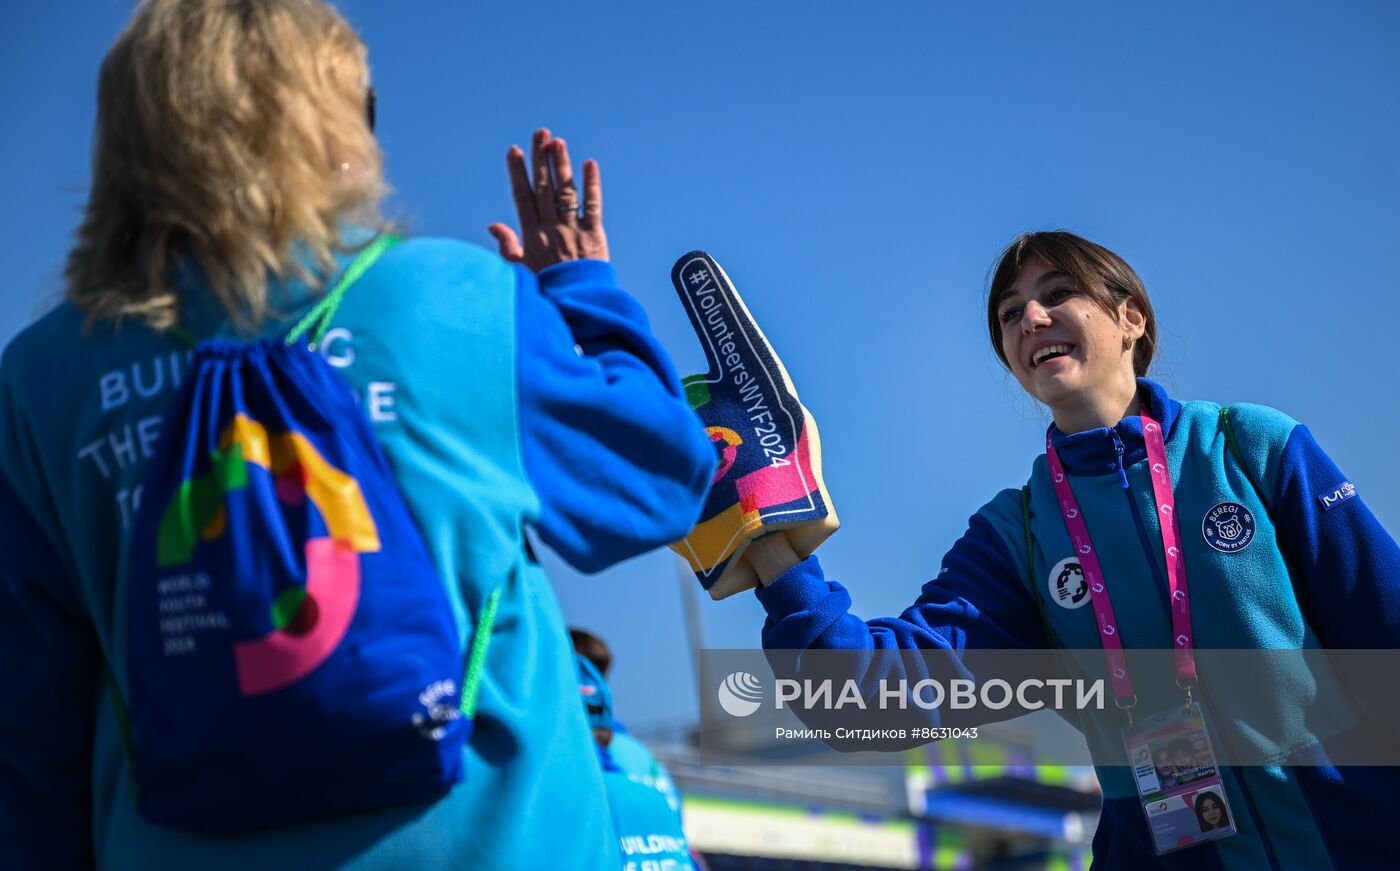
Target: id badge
(1177,779)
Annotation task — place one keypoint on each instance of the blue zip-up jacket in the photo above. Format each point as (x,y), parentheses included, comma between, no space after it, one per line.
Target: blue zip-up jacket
(1320,572)
(502,401)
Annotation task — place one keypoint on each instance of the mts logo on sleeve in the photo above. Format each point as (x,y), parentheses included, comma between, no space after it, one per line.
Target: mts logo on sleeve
(1343,492)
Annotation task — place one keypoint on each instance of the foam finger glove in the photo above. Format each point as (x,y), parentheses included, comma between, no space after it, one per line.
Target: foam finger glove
(768,475)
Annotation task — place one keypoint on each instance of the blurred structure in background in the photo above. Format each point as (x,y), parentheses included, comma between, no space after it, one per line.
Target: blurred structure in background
(984,805)
(955,806)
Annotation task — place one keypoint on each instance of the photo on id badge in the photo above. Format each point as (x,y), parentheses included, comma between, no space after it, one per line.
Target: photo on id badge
(1177,780)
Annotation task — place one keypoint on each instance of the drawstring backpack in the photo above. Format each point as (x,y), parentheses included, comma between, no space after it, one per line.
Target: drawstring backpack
(291,654)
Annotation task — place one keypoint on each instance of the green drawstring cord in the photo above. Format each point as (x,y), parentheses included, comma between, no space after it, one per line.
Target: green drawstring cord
(476,660)
(321,314)
(182,335)
(324,310)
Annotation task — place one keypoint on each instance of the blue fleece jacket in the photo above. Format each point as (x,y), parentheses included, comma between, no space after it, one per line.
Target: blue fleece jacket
(648,827)
(502,401)
(638,762)
(1321,572)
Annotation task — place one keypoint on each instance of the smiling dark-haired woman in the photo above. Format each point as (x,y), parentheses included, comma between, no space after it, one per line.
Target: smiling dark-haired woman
(1137,492)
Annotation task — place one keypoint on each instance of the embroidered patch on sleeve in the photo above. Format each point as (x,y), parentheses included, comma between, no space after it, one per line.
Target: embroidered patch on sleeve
(1331,500)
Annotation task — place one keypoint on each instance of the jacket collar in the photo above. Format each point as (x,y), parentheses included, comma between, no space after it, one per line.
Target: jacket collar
(203,316)
(1097,451)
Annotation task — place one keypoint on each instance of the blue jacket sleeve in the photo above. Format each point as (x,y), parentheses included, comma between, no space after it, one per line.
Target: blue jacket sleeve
(976,602)
(49,685)
(610,444)
(1349,564)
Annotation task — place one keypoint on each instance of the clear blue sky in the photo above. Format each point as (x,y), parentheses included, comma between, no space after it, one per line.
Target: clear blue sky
(856,167)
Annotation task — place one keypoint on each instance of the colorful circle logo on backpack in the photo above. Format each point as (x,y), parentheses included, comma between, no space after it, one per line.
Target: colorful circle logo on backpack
(308,621)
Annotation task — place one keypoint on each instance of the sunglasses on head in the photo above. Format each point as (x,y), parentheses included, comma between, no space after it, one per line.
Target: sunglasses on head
(369,107)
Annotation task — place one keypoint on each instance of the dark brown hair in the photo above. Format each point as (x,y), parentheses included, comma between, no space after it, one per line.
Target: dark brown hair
(1097,271)
(592,648)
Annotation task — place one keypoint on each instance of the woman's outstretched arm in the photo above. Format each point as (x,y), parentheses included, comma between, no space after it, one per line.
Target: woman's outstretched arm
(977,600)
(976,606)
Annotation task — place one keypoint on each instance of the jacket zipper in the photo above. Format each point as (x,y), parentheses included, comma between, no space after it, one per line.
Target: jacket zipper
(1143,538)
(1258,818)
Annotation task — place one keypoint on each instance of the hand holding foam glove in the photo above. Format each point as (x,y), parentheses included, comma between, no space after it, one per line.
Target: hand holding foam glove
(769,472)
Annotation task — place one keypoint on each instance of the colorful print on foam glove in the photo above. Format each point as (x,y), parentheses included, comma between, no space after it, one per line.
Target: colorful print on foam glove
(768,454)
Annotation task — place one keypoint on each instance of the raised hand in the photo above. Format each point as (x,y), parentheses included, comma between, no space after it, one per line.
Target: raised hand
(551,229)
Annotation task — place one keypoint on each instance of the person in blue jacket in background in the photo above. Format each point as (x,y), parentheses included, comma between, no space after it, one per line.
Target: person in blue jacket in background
(1295,561)
(648,826)
(235,174)
(629,754)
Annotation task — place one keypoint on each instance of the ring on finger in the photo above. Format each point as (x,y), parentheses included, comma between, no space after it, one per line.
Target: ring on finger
(566,208)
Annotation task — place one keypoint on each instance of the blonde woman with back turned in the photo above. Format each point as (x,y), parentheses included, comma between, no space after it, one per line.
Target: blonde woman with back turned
(235,180)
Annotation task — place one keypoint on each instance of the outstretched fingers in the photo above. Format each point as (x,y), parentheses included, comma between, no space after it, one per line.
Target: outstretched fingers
(547,201)
(543,181)
(520,190)
(507,242)
(566,195)
(592,197)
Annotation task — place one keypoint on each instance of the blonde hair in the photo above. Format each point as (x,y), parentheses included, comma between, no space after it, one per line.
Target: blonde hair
(232,131)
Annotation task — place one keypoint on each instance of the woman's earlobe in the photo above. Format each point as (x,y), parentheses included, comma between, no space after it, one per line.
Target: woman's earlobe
(1134,323)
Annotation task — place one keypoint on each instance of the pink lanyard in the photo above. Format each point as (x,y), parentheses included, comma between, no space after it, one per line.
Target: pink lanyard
(1093,574)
